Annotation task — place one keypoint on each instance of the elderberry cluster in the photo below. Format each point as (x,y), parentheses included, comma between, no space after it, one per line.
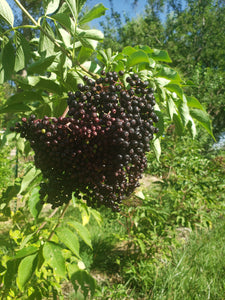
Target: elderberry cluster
(98,150)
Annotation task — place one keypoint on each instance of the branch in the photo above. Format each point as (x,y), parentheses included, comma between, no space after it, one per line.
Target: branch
(58,223)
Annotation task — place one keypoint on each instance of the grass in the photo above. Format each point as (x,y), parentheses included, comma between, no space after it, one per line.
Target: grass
(197,271)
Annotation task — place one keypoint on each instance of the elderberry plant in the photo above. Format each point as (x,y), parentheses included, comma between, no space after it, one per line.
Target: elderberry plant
(88,117)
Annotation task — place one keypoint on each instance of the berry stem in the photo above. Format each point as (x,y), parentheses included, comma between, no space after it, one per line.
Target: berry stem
(65,112)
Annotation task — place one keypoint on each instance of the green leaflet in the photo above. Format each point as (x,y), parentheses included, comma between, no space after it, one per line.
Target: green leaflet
(6,12)
(204,120)
(25,270)
(68,238)
(97,11)
(34,202)
(52,253)
(81,231)
(8,60)
(31,174)
(50,6)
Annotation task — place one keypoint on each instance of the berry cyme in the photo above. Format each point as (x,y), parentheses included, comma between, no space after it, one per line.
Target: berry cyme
(98,150)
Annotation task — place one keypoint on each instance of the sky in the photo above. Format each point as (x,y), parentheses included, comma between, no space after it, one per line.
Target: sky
(121,6)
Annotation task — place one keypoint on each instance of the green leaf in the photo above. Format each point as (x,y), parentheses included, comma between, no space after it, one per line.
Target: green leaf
(15,108)
(65,21)
(160,55)
(204,120)
(169,74)
(68,238)
(72,4)
(23,97)
(41,66)
(46,46)
(92,34)
(178,124)
(34,202)
(102,57)
(10,193)
(172,109)
(50,6)
(91,66)
(31,174)
(8,60)
(184,111)
(6,12)
(129,50)
(25,270)
(53,255)
(194,103)
(191,127)
(97,11)
(81,231)
(157,148)
(137,58)
(25,252)
(23,53)
(48,85)
(84,54)
(175,88)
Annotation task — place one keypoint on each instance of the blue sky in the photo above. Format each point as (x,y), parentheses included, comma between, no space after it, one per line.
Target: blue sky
(121,6)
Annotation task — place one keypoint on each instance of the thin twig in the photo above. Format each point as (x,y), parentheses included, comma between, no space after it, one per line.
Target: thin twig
(58,223)
(50,216)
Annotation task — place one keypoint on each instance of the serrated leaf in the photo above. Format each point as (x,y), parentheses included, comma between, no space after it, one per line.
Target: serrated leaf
(129,50)
(50,6)
(91,66)
(102,57)
(160,55)
(25,252)
(92,34)
(25,270)
(23,53)
(97,11)
(34,202)
(191,127)
(72,4)
(6,12)
(194,103)
(157,148)
(84,54)
(46,46)
(8,60)
(183,111)
(68,238)
(137,58)
(41,66)
(175,88)
(169,74)
(172,109)
(31,174)
(178,124)
(81,231)
(15,108)
(204,120)
(52,253)
(23,97)
(65,21)
(10,193)
(48,85)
